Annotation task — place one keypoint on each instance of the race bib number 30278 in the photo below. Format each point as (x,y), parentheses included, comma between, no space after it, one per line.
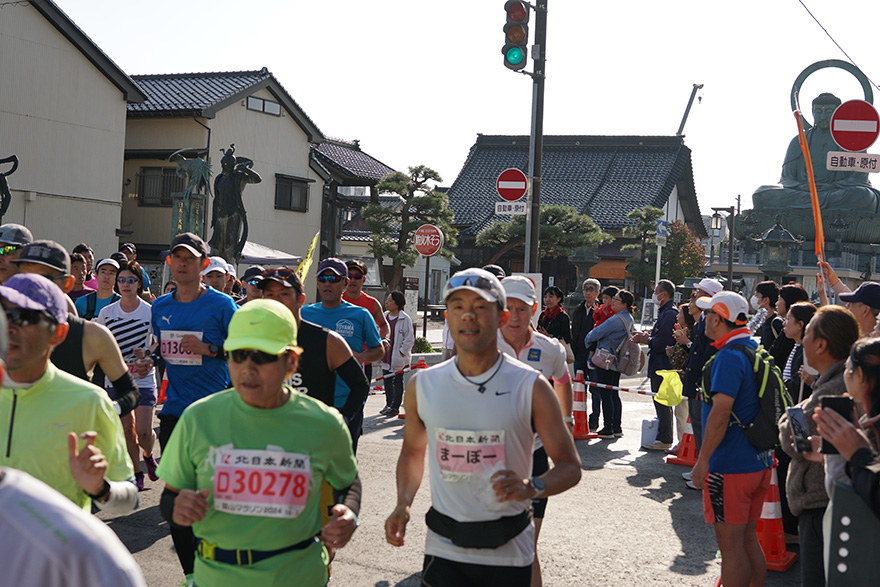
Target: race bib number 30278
(173,353)
(266,483)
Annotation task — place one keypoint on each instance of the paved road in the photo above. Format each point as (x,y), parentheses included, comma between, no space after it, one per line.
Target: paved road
(631,520)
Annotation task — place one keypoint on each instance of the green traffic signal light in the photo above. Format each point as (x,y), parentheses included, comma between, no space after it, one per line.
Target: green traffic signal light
(516,34)
(514,56)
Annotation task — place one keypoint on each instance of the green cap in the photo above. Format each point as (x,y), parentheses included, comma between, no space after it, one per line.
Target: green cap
(264,325)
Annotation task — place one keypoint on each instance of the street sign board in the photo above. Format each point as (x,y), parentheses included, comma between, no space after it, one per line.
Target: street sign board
(855,125)
(510,208)
(861,162)
(662,227)
(661,240)
(512,184)
(428,240)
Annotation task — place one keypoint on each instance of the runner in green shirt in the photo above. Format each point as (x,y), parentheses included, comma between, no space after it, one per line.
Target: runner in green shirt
(244,466)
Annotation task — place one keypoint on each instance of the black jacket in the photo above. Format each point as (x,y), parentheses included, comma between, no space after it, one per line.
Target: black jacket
(701,351)
(582,322)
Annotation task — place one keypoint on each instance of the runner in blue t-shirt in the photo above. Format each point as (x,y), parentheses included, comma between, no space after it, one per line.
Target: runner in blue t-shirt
(353,323)
(191,325)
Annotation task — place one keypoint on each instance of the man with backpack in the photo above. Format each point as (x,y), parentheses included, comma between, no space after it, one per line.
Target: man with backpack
(660,338)
(733,473)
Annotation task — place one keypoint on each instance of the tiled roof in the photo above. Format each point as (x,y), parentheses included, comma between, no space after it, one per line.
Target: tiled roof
(347,160)
(192,93)
(203,94)
(603,176)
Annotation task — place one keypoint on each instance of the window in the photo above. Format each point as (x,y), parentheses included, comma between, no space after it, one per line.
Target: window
(157,185)
(261,105)
(291,193)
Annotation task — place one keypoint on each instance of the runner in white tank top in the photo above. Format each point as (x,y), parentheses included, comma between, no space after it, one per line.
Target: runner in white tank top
(547,355)
(474,413)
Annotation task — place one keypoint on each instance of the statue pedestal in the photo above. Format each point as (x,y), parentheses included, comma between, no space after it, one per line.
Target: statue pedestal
(189,218)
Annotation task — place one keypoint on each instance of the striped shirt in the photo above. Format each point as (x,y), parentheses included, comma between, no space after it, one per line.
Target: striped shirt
(131,330)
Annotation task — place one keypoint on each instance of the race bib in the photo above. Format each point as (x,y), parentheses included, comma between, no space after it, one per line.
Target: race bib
(171,351)
(267,483)
(461,453)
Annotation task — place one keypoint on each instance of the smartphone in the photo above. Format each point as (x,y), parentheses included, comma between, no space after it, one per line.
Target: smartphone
(841,404)
(800,434)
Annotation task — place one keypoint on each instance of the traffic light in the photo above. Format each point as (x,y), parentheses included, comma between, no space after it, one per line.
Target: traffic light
(516,35)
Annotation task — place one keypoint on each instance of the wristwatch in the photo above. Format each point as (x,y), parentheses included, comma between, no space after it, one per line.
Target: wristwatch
(214,350)
(539,486)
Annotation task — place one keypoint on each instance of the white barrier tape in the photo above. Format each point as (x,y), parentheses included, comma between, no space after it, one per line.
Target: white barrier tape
(604,386)
(771,511)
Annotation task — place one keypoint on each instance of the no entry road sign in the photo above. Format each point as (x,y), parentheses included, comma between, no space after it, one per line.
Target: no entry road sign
(512,184)
(428,240)
(855,125)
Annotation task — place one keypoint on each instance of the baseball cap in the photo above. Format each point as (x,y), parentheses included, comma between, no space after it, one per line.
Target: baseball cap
(107,261)
(216,264)
(729,305)
(48,253)
(264,325)
(479,281)
(34,292)
(521,288)
(334,265)
(230,269)
(119,258)
(191,242)
(15,234)
(285,276)
(868,293)
(710,286)
(130,246)
(252,272)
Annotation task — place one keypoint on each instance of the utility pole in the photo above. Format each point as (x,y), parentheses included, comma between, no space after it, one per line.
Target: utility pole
(536,140)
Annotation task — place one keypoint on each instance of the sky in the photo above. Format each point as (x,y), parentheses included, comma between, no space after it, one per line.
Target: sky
(416,81)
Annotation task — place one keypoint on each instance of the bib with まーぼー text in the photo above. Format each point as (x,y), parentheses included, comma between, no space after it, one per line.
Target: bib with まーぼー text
(461,453)
(268,483)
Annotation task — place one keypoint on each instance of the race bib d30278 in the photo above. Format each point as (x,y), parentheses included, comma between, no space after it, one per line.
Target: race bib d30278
(272,484)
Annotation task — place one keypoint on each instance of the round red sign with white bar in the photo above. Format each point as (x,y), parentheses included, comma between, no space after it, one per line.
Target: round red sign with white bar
(855,125)
(512,184)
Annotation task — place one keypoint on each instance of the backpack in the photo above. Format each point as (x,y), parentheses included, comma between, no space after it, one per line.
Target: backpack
(773,398)
(92,304)
(630,358)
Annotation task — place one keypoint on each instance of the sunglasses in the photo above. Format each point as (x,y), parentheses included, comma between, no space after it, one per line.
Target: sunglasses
(324,278)
(355,276)
(469,281)
(253,281)
(7,250)
(26,317)
(127,280)
(258,357)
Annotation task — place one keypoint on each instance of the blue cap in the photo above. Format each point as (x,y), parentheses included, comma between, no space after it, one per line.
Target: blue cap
(34,292)
(868,293)
(334,265)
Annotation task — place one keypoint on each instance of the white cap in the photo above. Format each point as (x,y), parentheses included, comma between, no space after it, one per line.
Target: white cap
(478,281)
(521,288)
(729,305)
(230,269)
(710,286)
(216,264)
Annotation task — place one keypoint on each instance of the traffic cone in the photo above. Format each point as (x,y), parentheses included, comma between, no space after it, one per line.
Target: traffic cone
(421,364)
(579,407)
(770,533)
(377,390)
(162,388)
(687,450)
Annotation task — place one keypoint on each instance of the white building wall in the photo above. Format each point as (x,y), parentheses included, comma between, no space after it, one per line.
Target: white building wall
(66,123)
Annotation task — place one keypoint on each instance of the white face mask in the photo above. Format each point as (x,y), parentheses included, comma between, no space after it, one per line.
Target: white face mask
(655,299)
(754,301)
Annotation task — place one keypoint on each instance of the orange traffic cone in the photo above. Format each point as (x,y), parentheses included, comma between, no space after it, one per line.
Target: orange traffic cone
(162,388)
(770,532)
(579,407)
(687,450)
(420,365)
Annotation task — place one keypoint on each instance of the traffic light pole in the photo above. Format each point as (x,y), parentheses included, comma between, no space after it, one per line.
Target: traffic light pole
(536,140)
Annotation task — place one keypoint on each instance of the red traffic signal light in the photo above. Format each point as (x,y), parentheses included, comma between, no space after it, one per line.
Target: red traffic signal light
(516,35)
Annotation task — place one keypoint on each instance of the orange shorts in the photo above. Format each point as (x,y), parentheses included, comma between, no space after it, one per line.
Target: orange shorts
(735,498)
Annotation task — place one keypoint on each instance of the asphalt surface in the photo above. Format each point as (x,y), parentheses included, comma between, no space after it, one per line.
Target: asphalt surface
(630,521)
